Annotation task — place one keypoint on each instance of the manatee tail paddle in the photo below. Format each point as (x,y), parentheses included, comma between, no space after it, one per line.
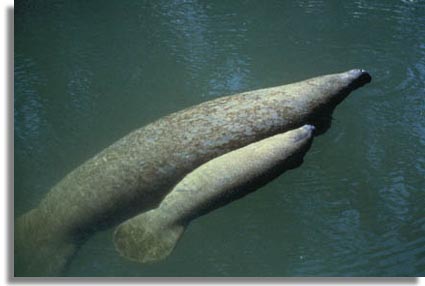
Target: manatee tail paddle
(148,237)
(39,250)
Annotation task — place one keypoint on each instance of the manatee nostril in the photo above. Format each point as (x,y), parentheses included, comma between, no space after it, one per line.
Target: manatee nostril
(303,135)
(310,127)
(361,77)
(364,77)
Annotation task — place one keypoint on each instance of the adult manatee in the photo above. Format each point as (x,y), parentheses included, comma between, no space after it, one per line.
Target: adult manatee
(135,173)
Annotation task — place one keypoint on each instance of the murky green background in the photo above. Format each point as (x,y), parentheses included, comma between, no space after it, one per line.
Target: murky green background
(89,72)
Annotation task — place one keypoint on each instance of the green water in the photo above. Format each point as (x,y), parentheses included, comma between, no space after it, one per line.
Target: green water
(89,72)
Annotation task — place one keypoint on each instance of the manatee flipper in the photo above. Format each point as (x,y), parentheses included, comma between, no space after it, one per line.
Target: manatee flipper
(39,250)
(152,236)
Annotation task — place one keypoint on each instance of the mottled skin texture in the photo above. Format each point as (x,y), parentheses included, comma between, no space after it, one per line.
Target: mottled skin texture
(135,173)
(152,235)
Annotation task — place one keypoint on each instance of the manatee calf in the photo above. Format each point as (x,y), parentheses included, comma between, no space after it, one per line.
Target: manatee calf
(135,173)
(152,235)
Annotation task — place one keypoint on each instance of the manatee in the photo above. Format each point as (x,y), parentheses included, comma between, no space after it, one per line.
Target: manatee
(135,173)
(152,236)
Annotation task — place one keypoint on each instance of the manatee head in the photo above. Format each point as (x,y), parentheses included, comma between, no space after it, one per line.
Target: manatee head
(324,93)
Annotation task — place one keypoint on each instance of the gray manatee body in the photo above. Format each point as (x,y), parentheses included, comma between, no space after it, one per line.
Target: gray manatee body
(152,235)
(135,173)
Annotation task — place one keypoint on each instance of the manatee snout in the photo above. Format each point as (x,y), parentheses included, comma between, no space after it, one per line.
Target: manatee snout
(304,132)
(303,137)
(309,128)
(360,77)
(338,88)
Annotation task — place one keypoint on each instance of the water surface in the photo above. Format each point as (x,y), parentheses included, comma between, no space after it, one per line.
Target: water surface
(89,72)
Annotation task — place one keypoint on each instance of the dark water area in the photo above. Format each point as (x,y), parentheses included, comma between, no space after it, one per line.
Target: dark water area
(89,72)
